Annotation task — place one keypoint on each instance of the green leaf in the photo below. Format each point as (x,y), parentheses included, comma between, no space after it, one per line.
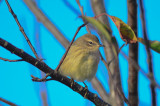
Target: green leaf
(155,45)
(99,26)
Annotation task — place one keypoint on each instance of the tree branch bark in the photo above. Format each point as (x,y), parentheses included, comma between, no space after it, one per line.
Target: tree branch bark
(133,54)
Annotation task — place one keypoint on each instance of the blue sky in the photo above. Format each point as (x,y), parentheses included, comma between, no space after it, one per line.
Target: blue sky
(15,80)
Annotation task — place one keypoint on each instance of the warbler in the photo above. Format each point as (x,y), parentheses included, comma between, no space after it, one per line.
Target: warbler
(82,60)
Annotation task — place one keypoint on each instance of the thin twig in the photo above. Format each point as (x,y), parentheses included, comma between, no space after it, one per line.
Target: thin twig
(64,56)
(11,60)
(45,68)
(150,66)
(81,9)
(8,102)
(21,28)
(36,79)
(111,78)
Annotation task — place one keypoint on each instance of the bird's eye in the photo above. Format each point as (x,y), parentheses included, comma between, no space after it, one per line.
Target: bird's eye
(90,42)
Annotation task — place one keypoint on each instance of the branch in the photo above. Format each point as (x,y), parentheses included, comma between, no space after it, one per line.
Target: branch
(7,102)
(21,28)
(55,76)
(46,22)
(150,67)
(133,54)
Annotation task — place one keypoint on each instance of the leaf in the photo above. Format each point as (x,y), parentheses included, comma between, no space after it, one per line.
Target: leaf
(126,32)
(155,45)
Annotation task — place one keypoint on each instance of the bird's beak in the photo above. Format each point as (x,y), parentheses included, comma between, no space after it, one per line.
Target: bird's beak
(100,45)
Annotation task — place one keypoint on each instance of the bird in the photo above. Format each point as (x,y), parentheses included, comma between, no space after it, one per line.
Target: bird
(82,59)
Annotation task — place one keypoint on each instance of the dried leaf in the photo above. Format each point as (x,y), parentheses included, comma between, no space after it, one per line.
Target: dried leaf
(126,32)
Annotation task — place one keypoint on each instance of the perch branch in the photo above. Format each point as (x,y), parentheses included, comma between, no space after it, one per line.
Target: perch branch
(55,76)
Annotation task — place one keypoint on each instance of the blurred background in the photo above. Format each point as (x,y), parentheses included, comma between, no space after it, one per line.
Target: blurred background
(15,77)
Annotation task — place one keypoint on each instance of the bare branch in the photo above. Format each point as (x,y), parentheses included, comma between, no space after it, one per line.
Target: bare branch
(150,67)
(46,22)
(11,60)
(21,28)
(133,53)
(7,102)
(55,76)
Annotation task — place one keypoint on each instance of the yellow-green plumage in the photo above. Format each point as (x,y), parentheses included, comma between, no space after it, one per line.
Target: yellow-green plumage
(82,59)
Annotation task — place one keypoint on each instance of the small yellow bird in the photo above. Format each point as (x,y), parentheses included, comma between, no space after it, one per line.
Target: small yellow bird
(82,60)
